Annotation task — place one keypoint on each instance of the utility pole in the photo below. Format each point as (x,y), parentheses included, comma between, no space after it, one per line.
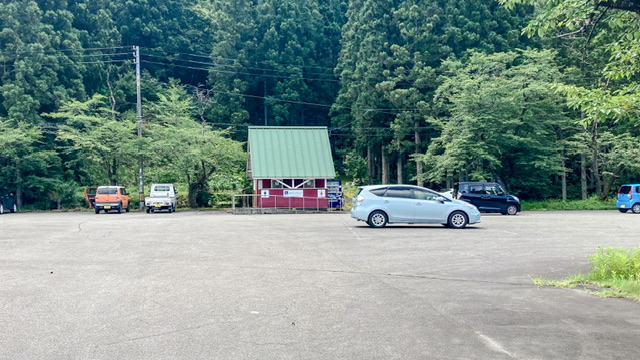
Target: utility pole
(139,117)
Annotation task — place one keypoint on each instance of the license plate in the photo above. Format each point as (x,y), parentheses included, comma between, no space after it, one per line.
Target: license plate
(623,206)
(107,207)
(158,205)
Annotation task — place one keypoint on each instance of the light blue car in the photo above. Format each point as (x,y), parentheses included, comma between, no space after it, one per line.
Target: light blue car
(379,205)
(629,198)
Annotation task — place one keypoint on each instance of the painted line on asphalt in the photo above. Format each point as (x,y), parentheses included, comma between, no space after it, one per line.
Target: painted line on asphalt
(493,345)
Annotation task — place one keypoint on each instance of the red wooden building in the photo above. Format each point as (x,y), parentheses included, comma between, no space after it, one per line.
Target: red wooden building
(290,166)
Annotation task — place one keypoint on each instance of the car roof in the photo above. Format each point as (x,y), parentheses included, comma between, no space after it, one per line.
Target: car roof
(475,182)
(370,187)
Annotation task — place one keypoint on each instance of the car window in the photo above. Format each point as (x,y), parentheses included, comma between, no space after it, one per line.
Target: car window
(161,188)
(493,189)
(625,189)
(399,192)
(424,195)
(476,189)
(107,191)
(378,192)
(638,189)
(124,191)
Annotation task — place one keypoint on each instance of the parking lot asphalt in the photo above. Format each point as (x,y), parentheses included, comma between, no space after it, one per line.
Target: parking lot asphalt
(211,285)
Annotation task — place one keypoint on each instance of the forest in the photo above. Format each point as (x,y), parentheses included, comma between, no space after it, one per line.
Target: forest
(539,95)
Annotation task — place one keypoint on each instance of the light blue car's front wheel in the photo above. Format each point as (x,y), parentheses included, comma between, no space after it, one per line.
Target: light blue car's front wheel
(458,220)
(377,219)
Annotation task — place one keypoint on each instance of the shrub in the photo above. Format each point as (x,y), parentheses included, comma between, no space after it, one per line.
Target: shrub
(615,264)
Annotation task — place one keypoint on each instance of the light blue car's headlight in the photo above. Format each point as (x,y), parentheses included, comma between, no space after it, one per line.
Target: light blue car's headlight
(470,205)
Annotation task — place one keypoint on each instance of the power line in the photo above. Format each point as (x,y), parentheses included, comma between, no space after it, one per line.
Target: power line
(240,73)
(289,72)
(241,60)
(89,62)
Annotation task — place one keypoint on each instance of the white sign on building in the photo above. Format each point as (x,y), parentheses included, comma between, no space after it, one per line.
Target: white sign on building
(293,193)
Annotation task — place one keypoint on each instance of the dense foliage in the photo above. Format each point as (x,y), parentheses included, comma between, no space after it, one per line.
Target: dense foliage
(539,95)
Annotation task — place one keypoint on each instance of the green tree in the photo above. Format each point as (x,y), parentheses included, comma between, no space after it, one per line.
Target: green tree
(102,139)
(506,123)
(608,35)
(191,148)
(37,73)
(389,65)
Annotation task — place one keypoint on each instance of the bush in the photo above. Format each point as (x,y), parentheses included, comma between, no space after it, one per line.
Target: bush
(615,264)
(592,203)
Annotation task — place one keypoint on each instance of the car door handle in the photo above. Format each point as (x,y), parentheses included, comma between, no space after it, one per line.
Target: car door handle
(418,204)
(386,202)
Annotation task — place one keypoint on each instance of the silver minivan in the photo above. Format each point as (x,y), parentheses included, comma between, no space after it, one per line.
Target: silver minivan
(379,205)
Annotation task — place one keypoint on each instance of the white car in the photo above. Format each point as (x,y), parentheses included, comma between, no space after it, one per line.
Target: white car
(161,197)
(380,205)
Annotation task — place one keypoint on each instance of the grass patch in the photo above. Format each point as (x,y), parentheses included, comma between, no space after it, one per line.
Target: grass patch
(615,272)
(592,203)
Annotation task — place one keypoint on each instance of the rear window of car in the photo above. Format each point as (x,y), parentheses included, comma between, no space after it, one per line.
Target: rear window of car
(403,193)
(108,191)
(378,192)
(161,188)
(625,189)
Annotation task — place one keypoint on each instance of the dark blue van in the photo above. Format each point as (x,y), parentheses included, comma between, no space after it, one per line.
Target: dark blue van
(629,198)
(487,197)
(7,201)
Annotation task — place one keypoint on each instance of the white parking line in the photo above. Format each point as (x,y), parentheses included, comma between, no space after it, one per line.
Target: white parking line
(493,345)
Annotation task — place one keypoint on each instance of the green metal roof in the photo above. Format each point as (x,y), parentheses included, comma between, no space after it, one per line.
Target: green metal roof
(287,152)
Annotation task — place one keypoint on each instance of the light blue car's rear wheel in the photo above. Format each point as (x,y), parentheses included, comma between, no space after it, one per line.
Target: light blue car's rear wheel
(458,220)
(377,219)
(636,208)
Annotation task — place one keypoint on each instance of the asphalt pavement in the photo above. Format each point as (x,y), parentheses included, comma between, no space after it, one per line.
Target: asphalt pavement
(212,285)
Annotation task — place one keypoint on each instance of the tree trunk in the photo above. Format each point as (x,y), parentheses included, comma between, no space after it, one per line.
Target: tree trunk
(264,103)
(399,169)
(609,182)
(594,164)
(564,178)
(419,177)
(370,164)
(18,178)
(193,195)
(583,175)
(385,166)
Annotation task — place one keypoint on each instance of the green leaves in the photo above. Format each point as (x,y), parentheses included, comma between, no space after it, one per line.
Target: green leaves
(503,120)
(191,150)
(101,137)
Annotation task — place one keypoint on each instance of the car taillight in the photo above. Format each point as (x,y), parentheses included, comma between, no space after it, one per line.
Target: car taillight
(631,194)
